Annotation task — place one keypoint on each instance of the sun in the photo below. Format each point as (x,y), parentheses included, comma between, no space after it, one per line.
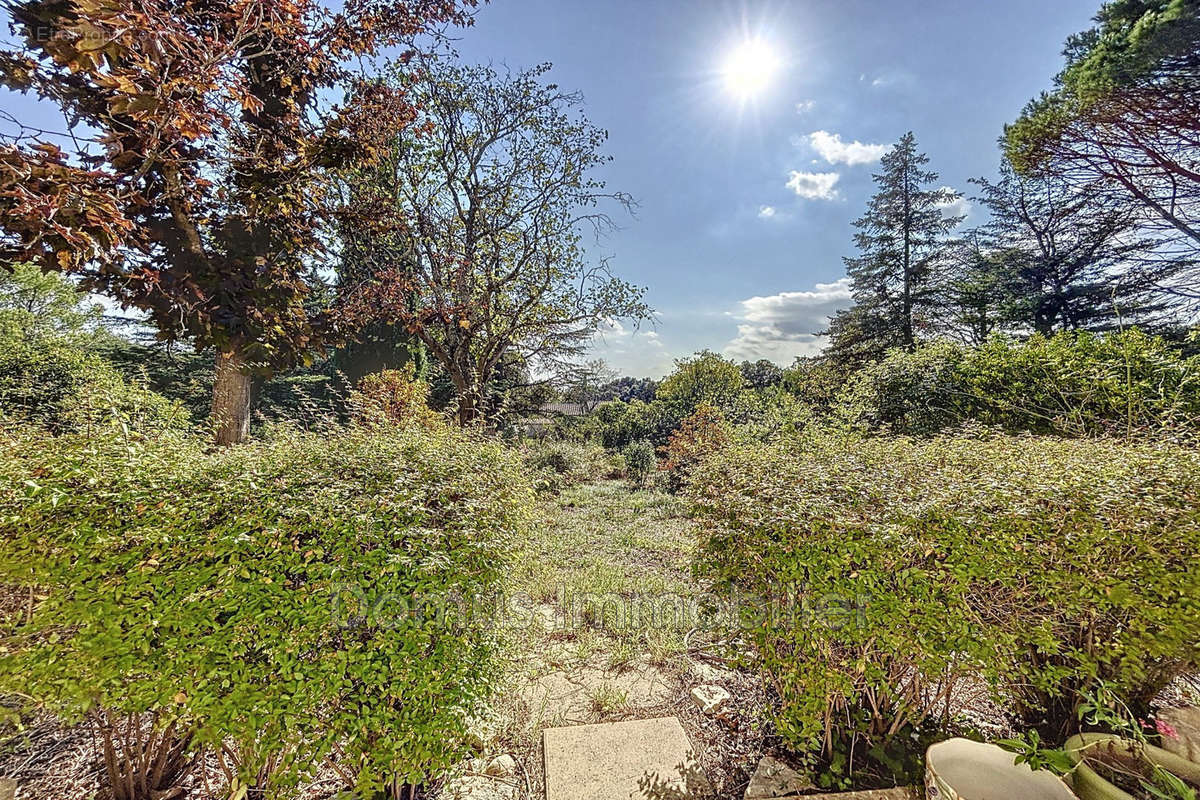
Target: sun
(749,68)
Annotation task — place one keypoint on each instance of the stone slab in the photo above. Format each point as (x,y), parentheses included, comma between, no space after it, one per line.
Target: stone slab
(899,793)
(648,759)
(1182,733)
(773,779)
(8,789)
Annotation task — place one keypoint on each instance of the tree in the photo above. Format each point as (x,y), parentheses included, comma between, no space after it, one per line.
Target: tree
(901,241)
(975,288)
(704,379)
(627,389)
(208,138)
(496,193)
(583,384)
(1063,259)
(761,374)
(367,250)
(1124,119)
(36,305)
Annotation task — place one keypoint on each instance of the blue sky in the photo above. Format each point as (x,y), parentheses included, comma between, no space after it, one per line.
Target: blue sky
(723,273)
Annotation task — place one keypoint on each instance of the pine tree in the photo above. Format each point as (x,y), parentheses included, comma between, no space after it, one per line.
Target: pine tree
(902,241)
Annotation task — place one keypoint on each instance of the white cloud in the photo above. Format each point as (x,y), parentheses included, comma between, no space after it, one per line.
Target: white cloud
(959,207)
(805,106)
(831,147)
(813,185)
(640,353)
(610,329)
(766,212)
(781,326)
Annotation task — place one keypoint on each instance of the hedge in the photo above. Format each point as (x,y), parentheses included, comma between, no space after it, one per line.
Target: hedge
(1069,383)
(877,574)
(301,598)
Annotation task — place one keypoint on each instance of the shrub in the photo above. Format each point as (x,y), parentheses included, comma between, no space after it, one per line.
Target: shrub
(57,385)
(917,393)
(815,382)
(290,600)
(640,461)
(878,574)
(392,396)
(621,423)
(699,436)
(1083,383)
(567,462)
(1069,383)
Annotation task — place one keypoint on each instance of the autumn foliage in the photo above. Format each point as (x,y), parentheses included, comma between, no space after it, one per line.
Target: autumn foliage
(202,187)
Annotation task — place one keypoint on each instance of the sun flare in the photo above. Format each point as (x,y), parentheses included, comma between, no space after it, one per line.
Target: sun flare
(749,68)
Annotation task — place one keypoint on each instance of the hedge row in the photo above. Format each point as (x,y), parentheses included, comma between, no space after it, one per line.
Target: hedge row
(880,575)
(1069,383)
(302,599)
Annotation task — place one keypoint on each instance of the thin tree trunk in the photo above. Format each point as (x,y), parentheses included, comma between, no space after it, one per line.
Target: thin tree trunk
(231,399)
(467,409)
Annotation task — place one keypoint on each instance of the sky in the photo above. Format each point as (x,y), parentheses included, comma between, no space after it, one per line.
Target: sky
(745,204)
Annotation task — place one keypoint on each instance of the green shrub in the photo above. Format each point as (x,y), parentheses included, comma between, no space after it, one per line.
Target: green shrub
(392,397)
(619,423)
(917,393)
(640,461)
(1083,383)
(56,384)
(568,462)
(300,598)
(879,574)
(1069,383)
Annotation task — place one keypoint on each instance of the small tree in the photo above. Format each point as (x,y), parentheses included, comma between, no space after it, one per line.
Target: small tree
(704,379)
(582,383)
(496,194)
(199,192)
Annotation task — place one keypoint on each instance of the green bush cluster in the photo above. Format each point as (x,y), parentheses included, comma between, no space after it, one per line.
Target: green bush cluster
(57,384)
(558,463)
(303,598)
(879,575)
(640,461)
(1068,383)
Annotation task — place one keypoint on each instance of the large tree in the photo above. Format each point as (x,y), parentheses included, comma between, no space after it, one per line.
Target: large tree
(1062,259)
(902,244)
(499,193)
(192,176)
(1124,119)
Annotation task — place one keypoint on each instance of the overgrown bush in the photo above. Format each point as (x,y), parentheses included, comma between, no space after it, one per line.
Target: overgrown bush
(1069,383)
(918,392)
(704,379)
(879,574)
(699,436)
(567,463)
(55,383)
(392,397)
(301,598)
(640,461)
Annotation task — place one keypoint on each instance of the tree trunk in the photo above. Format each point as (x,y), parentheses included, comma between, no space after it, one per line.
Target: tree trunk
(231,399)
(467,408)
